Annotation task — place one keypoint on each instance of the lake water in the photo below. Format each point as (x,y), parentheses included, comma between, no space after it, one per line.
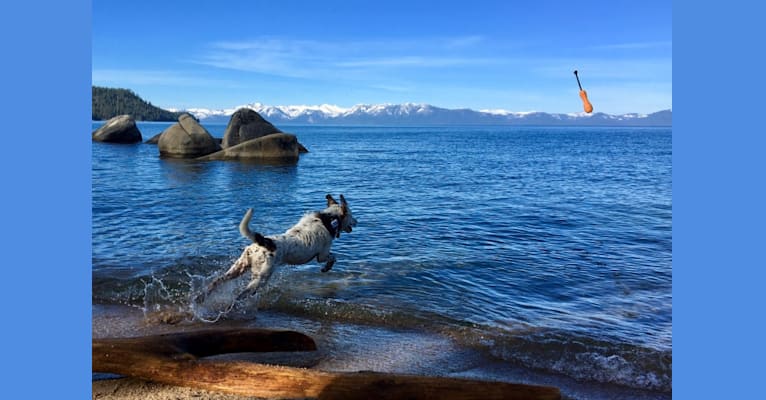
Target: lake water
(546,250)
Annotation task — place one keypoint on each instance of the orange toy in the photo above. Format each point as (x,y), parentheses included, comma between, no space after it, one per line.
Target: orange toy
(584,96)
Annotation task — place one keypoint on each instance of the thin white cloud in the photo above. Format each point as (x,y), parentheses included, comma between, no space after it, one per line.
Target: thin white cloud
(287,58)
(358,61)
(126,77)
(634,45)
(465,41)
(415,61)
(393,88)
(634,69)
(338,59)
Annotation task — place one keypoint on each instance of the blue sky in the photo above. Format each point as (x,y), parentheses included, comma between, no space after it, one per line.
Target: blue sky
(477,54)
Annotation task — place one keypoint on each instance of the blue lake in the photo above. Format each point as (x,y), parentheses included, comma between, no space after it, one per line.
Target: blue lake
(548,248)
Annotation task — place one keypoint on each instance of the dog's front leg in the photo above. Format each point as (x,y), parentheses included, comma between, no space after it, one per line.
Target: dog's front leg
(330,258)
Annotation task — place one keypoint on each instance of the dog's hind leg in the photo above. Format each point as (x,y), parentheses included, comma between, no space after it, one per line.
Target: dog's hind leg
(240,267)
(258,279)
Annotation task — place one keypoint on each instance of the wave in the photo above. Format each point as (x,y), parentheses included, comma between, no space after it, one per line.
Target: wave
(577,356)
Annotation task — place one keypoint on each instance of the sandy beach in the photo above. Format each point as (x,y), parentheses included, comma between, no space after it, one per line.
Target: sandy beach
(136,389)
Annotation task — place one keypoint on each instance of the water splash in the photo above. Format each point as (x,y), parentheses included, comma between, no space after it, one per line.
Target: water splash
(219,304)
(170,299)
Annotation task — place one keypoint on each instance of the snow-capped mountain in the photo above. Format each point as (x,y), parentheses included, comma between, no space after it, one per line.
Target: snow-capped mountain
(424,114)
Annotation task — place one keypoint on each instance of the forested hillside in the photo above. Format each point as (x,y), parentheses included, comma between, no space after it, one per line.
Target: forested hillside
(110,102)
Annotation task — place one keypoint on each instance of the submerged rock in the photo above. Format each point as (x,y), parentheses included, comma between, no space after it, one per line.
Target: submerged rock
(154,139)
(186,139)
(120,129)
(277,147)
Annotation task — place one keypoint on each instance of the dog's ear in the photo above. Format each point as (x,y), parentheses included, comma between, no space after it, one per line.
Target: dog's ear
(343,205)
(330,200)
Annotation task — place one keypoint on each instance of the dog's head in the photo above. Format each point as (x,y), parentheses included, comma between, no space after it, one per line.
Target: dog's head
(347,220)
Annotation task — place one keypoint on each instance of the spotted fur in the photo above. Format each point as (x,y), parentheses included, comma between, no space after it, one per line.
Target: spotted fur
(311,238)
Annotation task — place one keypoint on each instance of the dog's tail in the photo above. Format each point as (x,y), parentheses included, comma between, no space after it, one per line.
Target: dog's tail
(244,229)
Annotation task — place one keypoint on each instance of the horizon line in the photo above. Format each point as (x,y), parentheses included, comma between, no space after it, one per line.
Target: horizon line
(488,110)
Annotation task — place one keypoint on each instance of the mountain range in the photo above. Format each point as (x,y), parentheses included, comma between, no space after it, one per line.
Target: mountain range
(426,114)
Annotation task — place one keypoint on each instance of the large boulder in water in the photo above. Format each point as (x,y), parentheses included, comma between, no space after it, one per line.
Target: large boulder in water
(274,148)
(186,139)
(246,124)
(120,129)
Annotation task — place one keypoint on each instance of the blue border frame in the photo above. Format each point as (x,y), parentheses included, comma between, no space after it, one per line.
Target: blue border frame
(46,211)
(718,184)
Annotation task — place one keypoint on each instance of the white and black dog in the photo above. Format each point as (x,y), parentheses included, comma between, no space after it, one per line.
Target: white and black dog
(310,238)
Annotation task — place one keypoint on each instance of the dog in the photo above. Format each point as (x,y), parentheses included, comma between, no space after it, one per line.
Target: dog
(311,238)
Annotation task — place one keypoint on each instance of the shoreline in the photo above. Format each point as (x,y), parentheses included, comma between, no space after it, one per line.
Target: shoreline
(342,347)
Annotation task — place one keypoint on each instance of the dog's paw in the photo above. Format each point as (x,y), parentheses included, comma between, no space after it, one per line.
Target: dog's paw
(329,264)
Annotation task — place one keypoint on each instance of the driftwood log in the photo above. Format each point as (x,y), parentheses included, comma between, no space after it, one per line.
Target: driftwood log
(177,359)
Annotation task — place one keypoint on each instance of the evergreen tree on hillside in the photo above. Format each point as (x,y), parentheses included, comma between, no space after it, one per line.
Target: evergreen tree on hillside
(110,102)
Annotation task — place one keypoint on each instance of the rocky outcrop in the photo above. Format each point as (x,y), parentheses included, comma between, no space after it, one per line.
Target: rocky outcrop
(154,139)
(277,147)
(120,129)
(246,124)
(186,139)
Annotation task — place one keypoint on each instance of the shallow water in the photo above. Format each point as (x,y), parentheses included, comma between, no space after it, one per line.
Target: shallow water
(547,250)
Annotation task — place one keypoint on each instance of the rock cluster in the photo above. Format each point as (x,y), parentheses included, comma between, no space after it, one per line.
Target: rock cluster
(248,137)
